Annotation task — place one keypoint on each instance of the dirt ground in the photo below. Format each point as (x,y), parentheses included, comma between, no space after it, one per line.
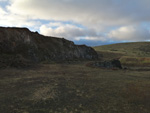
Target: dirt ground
(74,88)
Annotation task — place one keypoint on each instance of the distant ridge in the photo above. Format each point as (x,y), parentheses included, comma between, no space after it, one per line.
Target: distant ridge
(140,49)
(21,43)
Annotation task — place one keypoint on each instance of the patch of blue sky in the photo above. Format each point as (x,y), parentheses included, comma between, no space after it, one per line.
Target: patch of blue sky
(3,3)
(146,25)
(93,42)
(45,22)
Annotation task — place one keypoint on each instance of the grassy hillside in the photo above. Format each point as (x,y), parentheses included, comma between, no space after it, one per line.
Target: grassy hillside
(130,54)
(74,88)
(140,49)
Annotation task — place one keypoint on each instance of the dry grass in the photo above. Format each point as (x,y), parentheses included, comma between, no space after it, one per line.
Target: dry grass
(74,88)
(135,61)
(140,49)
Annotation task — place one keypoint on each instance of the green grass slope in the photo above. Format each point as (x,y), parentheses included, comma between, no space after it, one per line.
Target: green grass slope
(130,54)
(140,49)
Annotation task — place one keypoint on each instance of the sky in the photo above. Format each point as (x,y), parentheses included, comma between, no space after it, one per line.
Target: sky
(90,22)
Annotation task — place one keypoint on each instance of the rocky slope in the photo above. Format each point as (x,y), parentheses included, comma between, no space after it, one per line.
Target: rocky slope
(20,44)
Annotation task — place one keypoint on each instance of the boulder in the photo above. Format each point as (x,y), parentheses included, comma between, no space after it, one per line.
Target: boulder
(109,64)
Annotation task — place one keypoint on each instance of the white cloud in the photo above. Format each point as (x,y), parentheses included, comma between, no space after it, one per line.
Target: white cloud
(16,20)
(72,32)
(68,31)
(2,12)
(130,33)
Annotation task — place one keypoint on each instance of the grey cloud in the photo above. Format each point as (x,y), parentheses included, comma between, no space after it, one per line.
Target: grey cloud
(87,12)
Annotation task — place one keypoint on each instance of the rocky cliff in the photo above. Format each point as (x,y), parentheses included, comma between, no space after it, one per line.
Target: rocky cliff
(21,43)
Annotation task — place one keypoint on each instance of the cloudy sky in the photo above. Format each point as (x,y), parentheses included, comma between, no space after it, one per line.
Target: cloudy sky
(91,22)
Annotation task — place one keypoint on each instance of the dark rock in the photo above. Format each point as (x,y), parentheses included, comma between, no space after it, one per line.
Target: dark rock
(108,64)
(116,63)
(38,48)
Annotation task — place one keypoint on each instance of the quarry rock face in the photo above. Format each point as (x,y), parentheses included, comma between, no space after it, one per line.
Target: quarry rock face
(31,46)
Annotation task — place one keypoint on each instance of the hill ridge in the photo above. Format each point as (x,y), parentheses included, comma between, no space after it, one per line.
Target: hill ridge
(140,49)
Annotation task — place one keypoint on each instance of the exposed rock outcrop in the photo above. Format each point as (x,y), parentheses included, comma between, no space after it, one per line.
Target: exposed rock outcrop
(37,48)
(108,64)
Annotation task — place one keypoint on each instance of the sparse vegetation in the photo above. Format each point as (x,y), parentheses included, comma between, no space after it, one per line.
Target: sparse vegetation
(74,88)
(135,61)
(137,49)
(131,55)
